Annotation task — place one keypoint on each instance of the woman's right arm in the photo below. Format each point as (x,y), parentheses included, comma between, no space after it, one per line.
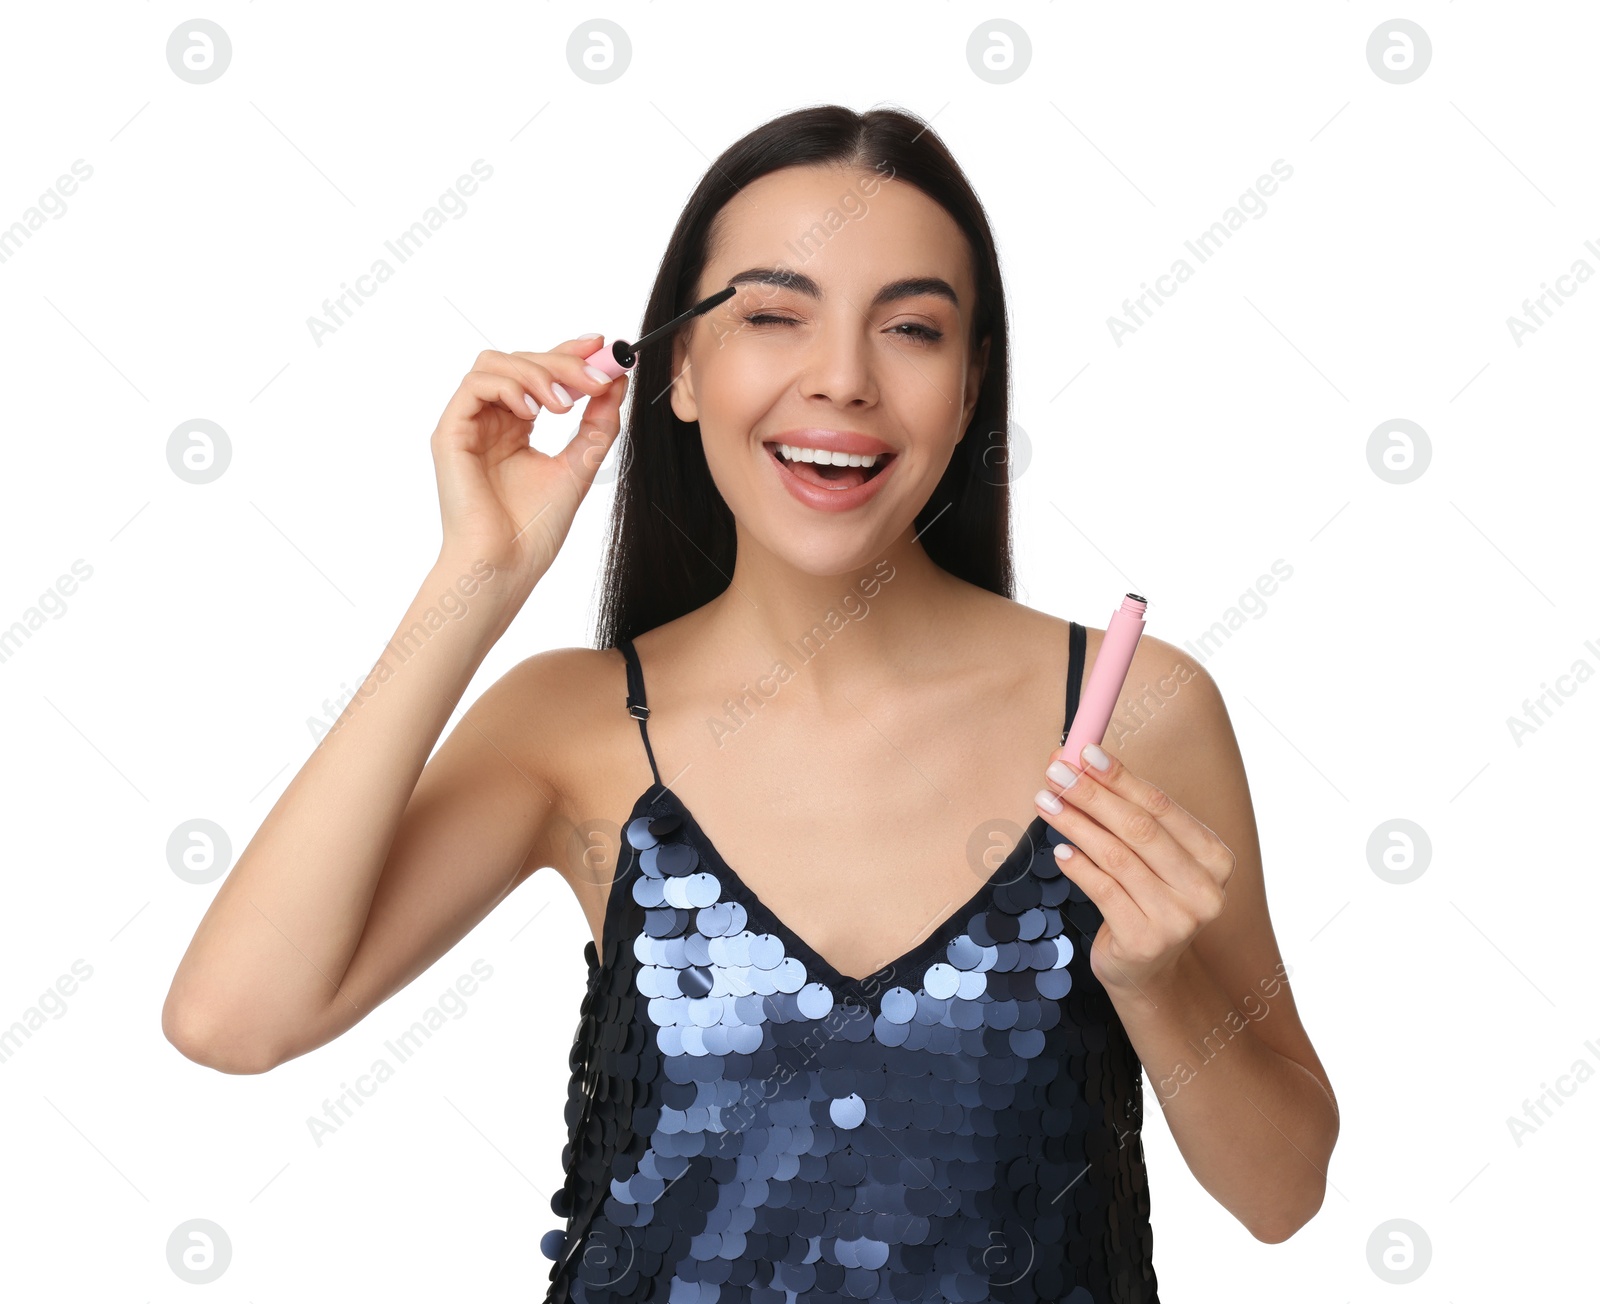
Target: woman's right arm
(376,860)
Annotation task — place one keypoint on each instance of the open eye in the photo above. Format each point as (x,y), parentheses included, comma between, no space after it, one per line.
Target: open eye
(918,331)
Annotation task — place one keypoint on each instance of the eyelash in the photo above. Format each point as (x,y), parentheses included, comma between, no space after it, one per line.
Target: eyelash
(924,334)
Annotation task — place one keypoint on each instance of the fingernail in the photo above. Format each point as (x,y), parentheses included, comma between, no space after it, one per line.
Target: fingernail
(1096,757)
(1062,773)
(562,397)
(1047,800)
(596,375)
(1063,851)
(533,406)
(592,335)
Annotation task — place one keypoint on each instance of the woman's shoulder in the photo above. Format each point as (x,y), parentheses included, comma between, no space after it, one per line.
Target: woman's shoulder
(559,717)
(558,704)
(565,680)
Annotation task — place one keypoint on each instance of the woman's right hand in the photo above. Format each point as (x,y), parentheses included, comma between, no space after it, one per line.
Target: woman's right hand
(500,499)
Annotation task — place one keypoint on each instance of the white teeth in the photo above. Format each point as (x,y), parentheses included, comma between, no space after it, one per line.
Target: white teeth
(793,454)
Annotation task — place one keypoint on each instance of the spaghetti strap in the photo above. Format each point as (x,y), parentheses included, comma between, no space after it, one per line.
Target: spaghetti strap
(636,703)
(1077,640)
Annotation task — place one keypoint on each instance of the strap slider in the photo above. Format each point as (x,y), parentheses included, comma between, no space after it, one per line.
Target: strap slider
(639,711)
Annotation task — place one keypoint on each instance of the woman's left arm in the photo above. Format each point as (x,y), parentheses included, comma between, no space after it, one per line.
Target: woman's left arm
(1166,847)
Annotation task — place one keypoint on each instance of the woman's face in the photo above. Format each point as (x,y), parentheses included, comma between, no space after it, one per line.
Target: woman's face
(848,331)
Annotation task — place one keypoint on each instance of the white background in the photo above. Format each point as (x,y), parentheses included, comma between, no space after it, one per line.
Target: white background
(1229,432)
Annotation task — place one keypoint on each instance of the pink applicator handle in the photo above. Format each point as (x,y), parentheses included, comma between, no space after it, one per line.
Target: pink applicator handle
(602,360)
(1111,664)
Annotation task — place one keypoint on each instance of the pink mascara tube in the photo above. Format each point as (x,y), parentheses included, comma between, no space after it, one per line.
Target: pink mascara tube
(621,356)
(1111,664)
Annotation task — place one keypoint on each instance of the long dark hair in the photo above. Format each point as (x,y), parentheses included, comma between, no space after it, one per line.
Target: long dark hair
(672,536)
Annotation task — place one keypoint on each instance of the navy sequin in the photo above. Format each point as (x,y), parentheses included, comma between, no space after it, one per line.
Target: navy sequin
(748,1124)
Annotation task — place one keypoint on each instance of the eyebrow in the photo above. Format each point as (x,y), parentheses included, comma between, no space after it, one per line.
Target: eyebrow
(908,287)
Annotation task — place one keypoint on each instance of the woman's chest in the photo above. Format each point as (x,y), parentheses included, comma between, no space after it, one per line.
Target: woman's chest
(856,844)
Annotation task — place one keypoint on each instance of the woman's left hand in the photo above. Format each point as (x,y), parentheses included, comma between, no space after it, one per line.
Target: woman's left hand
(1157,873)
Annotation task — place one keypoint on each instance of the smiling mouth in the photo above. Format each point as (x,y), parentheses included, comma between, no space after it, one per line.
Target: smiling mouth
(825,475)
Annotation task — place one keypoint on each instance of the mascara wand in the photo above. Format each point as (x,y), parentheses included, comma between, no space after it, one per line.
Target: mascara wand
(621,356)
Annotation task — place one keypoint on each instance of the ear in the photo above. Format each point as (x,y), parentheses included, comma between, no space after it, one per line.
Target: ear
(976,370)
(684,406)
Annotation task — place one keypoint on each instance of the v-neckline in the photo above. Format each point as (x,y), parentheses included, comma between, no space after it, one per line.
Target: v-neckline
(818,967)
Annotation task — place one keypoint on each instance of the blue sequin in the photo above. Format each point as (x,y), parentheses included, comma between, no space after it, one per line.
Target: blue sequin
(746,1124)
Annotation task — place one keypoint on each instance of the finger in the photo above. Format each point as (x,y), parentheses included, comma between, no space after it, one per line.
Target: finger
(602,421)
(569,369)
(1155,897)
(479,388)
(1135,826)
(537,380)
(1143,805)
(1118,909)
(581,346)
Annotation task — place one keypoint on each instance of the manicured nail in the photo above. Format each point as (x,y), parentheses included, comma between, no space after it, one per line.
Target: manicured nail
(1062,773)
(592,335)
(562,397)
(1096,757)
(1047,800)
(596,375)
(1063,851)
(533,405)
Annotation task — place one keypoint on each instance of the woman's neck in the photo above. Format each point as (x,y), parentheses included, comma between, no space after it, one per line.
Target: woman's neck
(849,630)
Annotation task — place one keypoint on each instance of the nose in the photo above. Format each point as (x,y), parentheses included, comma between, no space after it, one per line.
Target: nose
(838,365)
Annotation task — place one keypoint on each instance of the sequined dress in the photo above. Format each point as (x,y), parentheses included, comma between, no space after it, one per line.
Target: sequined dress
(746,1123)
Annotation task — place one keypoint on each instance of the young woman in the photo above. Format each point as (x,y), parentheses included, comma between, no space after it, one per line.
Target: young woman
(859,1024)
